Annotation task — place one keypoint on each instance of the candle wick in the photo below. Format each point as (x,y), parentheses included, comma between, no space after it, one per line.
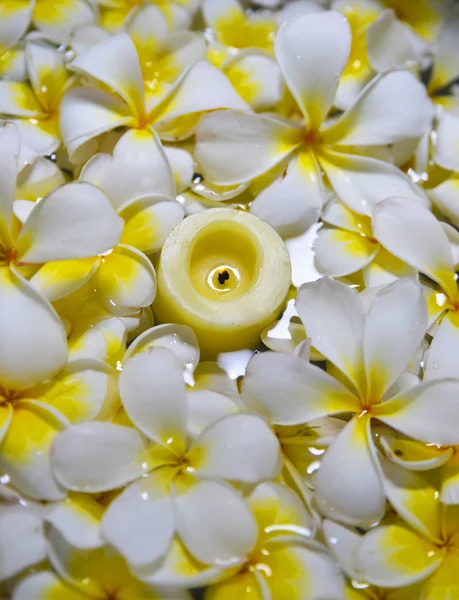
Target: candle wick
(222,277)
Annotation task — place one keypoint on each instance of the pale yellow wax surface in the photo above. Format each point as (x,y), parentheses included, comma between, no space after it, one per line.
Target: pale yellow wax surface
(226,274)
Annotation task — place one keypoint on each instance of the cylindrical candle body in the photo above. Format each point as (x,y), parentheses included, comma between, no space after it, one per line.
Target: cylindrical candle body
(226,274)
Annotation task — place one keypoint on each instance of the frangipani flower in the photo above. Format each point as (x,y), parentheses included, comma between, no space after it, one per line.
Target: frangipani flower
(178,13)
(414,235)
(98,574)
(174,486)
(285,557)
(163,54)
(34,107)
(87,112)
(139,182)
(346,245)
(424,548)
(370,353)
(392,107)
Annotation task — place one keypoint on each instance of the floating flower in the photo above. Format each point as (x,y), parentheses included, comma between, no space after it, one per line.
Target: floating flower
(383,114)
(87,112)
(176,486)
(370,353)
(428,536)
(34,106)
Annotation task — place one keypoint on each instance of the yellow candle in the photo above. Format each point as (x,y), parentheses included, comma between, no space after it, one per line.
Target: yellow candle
(226,274)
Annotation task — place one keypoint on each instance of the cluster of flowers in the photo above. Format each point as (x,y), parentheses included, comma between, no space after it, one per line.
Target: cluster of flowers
(128,468)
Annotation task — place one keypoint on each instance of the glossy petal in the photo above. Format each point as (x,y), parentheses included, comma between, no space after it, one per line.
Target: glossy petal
(140,522)
(339,253)
(389,42)
(445,150)
(348,484)
(9,155)
(214,522)
(77,518)
(22,541)
(148,222)
(261,143)
(414,235)
(138,167)
(446,198)
(238,447)
(28,321)
(14,21)
(394,556)
(442,358)
(115,454)
(24,452)
(126,278)
(301,190)
(115,63)
(206,407)
(74,221)
(85,113)
(426,412)
(59,278)
(361,182)
(286,390)
(57,18)
(333,317)
(43,584)
(153,394)
(392,108)
(394,329)
(312,51)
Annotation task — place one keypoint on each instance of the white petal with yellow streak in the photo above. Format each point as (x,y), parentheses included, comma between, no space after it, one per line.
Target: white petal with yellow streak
(338,253)
(85,113)
(446,198)
(24,451)
(412,455)
(349,482)
(14,21)
(57,18)
(312,51)
(126,278)
(84,390)
(442,357)
(443,584)
(386,268)
(395,327)
(292,203)
(182,165)
(333,317)
(38,135)
(74,221)
(9,155)
(261,142)
(85,36)
(214,522)
(148,28)
(153,394)
(413,234)
(138,168)
(287,390)
(446,61)
(447,142)
(179,339)
(239,447)
(426,412)
(415,499)
(97,457)
(256,77)
(361,182)
(59,278)
(390,43)
(27,320)
(393,556)
(17,99)
(177,115)
(343,544)
(46,584)
(21,539)
(38,180)
(393,107)
(48,74)
(115,63)
(140,522)
(77,518)
(206,407)
(149,220)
